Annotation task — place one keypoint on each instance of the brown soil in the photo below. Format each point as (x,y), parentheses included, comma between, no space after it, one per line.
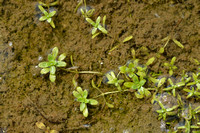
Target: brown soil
(27,97)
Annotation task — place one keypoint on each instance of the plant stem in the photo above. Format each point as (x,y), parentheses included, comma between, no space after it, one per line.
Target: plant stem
(83,72)
(110,92)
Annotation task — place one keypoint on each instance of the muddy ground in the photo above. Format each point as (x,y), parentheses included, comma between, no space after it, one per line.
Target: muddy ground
(27,97)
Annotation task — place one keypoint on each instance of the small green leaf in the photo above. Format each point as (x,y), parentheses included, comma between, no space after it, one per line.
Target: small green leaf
(85,112)
(110,105)
(50,57)
(173,60)
(139,95)
(61,64)
(178,43)
(52,77)
(76,94)
(104,21)
(51,14)
(44,70)
(90,21)
(98,21)
(161,82)
(52,24)
(161,50)
(52,70)
(55,52)
(170,72)
(85,94)
(40,125)
(43,10)
(150,61)
(82,106)
(62,57)
(49,20)
(147,93)
(79,89)
(93,102)
(102,29)
(43,64)
(82,100)
(127,39)
(94,30)
(43,18)
(96,34)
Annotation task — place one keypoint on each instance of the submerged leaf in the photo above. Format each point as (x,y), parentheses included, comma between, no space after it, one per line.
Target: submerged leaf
(127,39)
(85,112)
(93,102)
(52,77)
(40,125)
(178,43)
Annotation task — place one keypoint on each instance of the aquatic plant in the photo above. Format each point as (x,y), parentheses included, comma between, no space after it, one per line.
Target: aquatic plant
(87,13)
(192,92)
(52,63)
(97,26)
(164,112)
(47,16)
(196,80)
(82,98)
(171,66)
(112,79)
(46,129)
(168,38)
(173,86)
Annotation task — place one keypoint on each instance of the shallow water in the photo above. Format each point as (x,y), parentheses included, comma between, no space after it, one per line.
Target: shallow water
(27,97)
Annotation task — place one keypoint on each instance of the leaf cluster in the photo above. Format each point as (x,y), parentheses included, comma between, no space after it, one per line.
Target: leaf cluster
(97,26)
(52,63)
(171,66)
(82,98)
(47,16)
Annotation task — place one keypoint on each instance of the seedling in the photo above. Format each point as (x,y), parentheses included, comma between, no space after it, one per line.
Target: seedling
(168,38)
(82,98)
(47,16)
(164,112)
(87,13)
(128,69)
(52,63)
(98,26)
(173,86)
(46,129)
(187,127)
(171,66)
(192,92)
(137,84)
(196,81)
(112,79)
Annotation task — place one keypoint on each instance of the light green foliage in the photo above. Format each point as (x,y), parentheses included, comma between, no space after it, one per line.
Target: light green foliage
(97,26)
(87,13)
(112,79)
(196,80)
(168,38)
(192,92)
(173,86)
(189,116)
(47,16)
(187,127)
(164,112)
(52,63)
(137,84)
(82,98)
(171,66)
